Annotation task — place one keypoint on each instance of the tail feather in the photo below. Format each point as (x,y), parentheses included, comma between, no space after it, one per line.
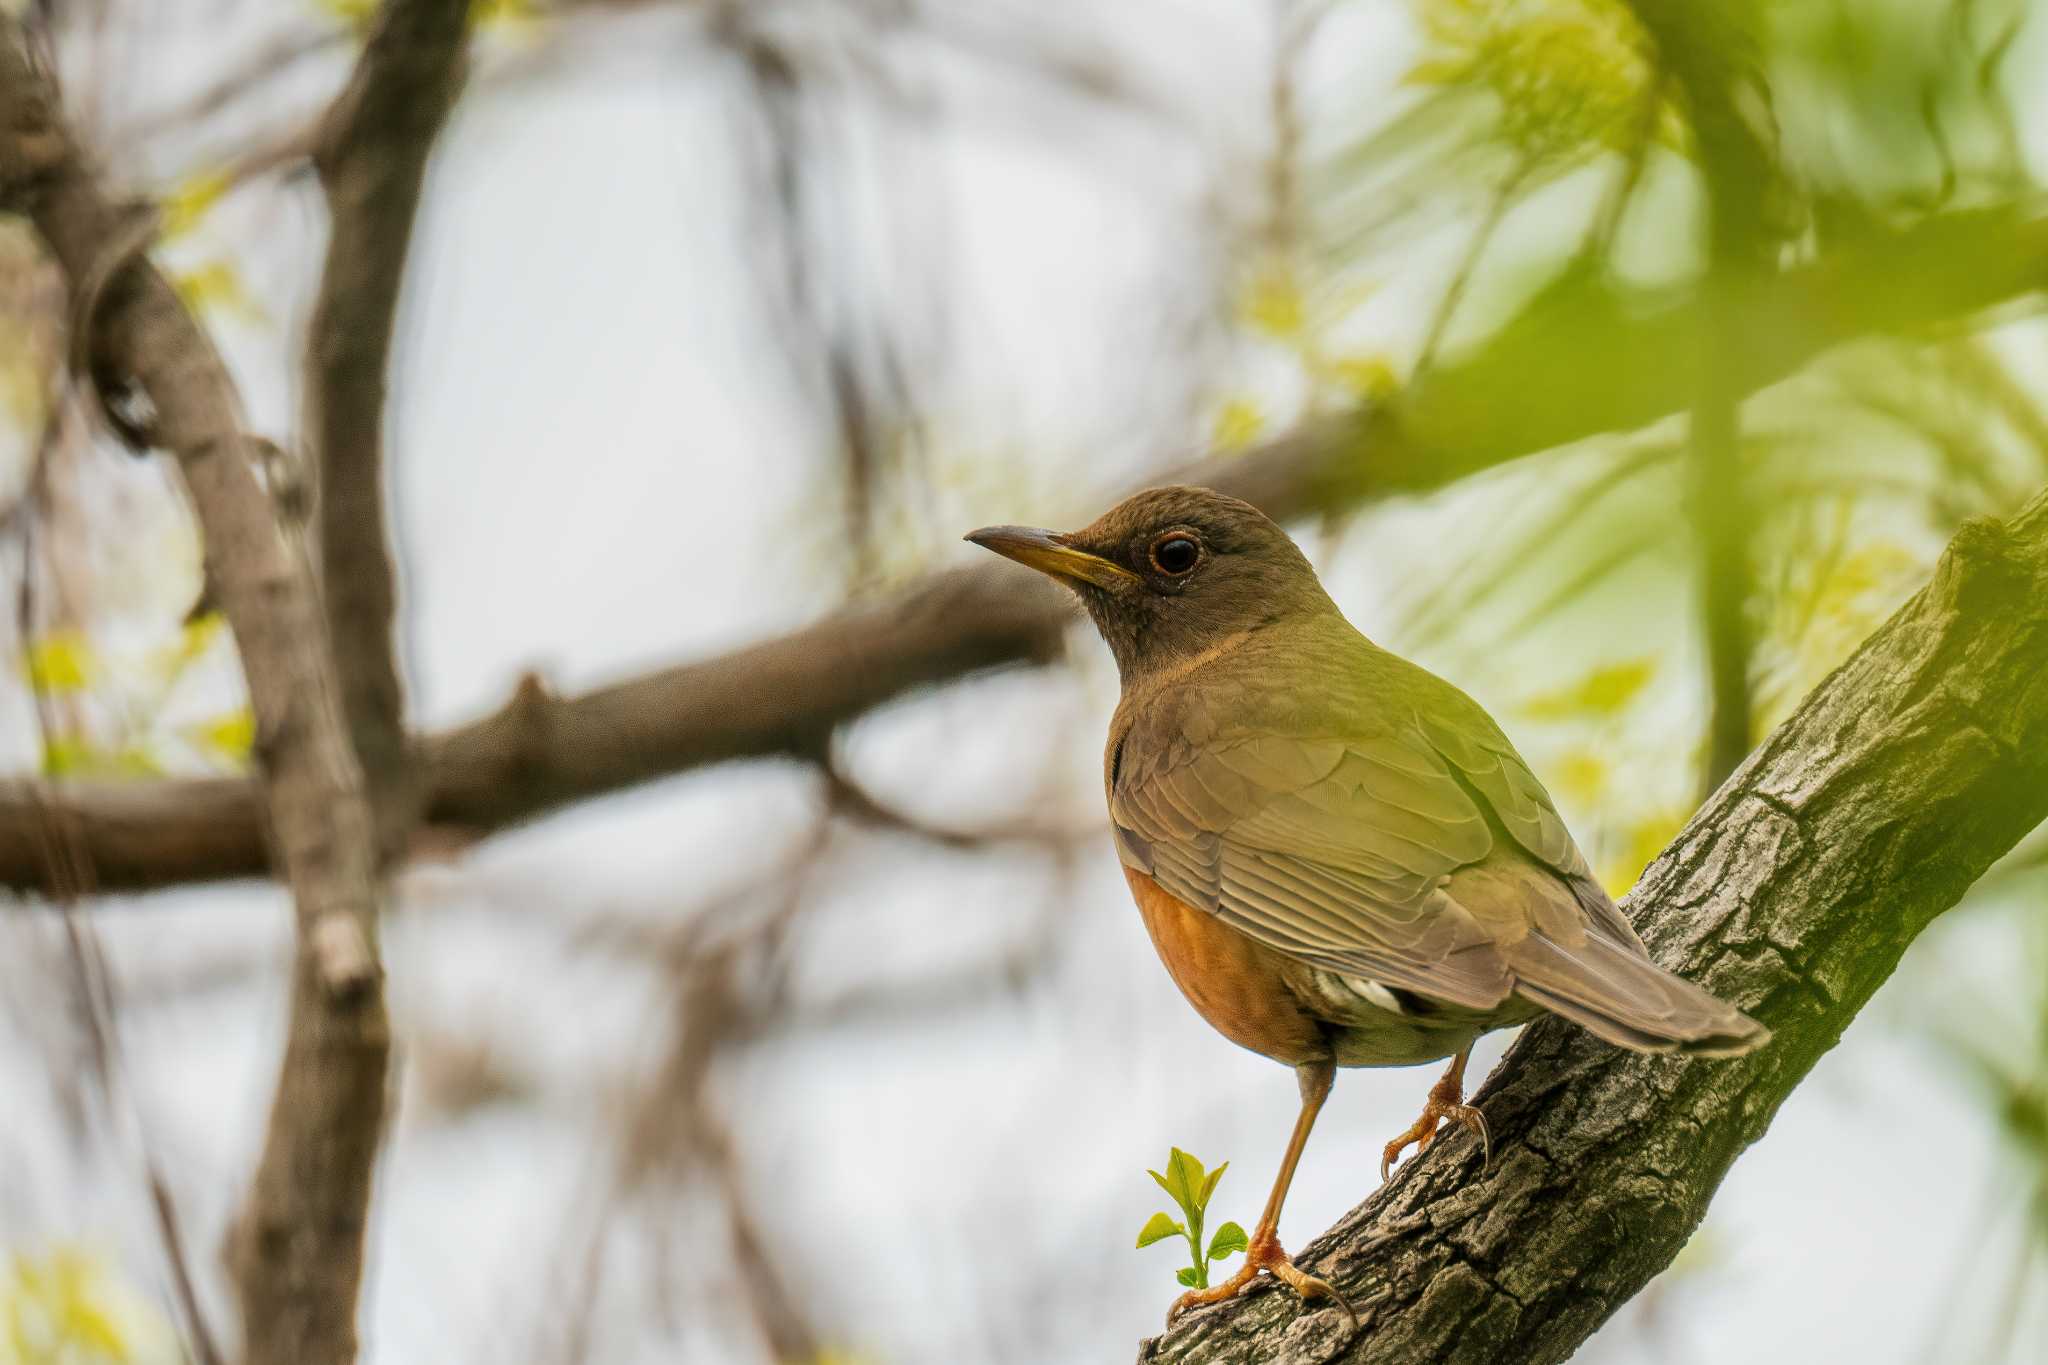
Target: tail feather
(1618,994)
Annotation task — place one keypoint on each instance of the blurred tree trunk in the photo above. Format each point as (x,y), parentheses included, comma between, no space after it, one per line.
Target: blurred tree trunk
(1793,893)
(298,1245)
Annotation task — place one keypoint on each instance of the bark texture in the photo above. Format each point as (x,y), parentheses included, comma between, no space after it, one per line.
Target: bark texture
(1793,893)
(1576,364)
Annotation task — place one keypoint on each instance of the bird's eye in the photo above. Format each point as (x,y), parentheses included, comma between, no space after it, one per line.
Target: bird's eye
(1176,553)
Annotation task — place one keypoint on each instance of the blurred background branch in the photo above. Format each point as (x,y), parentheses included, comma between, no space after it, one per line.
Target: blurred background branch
(542,751)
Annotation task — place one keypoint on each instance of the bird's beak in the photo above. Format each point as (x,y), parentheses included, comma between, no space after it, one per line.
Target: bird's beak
(1049,553)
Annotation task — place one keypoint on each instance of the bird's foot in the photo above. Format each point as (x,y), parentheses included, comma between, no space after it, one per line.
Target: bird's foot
(1264,1253)
(1446,1101)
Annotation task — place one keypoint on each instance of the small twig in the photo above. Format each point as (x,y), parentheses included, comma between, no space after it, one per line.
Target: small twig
(70,876)
(1607,218)
(1468,265)
(268,61)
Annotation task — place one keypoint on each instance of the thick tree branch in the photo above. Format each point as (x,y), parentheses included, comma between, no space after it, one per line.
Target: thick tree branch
(1793,892)
(302,1232)
(372,159)
(1581,361)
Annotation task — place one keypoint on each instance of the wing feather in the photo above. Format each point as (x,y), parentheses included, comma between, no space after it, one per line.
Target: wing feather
(1381,857)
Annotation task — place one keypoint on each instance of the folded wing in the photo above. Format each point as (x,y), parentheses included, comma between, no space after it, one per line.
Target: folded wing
(1425,856)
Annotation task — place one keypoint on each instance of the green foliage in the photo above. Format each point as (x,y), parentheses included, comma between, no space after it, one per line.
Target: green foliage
(106,707)
(1191,1187)
(1901,101)
(184,207)
(1605,691)
(62,661)
(1569,78)
(69,1308)
(216,287)
(1239,423)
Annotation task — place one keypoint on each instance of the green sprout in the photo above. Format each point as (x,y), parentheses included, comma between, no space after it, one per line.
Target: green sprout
(1191,1187)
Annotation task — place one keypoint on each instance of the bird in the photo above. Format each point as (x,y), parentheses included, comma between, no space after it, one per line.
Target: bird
(1339,857)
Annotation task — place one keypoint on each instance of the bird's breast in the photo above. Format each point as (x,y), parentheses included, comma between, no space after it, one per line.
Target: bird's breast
(1240,987)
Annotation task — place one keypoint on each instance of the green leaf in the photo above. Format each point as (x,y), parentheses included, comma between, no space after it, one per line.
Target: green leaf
(1238,423)
(230,737)
(62,661)
(216,285)
(1189,1277)
(1158,1229)
(182,209)
(1183,1181)
(1273,304)
(1228,1241)
(1209,1185)
(1605,692)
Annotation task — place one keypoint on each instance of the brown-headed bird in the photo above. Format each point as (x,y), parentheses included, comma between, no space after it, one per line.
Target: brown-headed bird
(1341,859)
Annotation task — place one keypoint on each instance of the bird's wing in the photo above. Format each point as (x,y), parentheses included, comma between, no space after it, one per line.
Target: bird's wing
(1383,856)
(1336,851)
(1466,738)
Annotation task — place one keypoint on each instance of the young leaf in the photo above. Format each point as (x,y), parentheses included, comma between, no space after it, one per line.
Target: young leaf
(1184,1176)
(1189,1277)
(229,737)
(1158,1229)
(182,209)
(217,285)
(1209,1185)
(1238,424)
(1228,1241)
(62,661)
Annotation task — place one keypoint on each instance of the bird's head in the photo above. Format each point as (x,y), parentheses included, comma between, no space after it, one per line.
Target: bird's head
(1169,572)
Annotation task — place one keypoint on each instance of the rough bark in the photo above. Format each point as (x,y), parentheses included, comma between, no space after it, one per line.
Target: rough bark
(1794,891)
(1576,364)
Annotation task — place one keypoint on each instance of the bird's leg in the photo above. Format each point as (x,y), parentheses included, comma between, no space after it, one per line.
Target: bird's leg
(1446,1101)
(1265,1251)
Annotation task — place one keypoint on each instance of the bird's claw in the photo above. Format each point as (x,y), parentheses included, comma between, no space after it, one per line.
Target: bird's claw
(1264,1253)
(1446,1101)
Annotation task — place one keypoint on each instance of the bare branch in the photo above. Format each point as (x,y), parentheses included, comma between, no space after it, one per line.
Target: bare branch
(254,70)
(372,159)
(300,1244)
(1575,365)
(1793,892)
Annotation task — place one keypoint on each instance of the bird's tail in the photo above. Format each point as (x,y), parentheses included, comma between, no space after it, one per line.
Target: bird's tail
(1618,994)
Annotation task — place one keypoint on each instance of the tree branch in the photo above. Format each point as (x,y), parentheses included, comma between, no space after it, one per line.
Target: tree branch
(1714,63)
(1793,892)
(1580,361)
(372,159)
(299,1246)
